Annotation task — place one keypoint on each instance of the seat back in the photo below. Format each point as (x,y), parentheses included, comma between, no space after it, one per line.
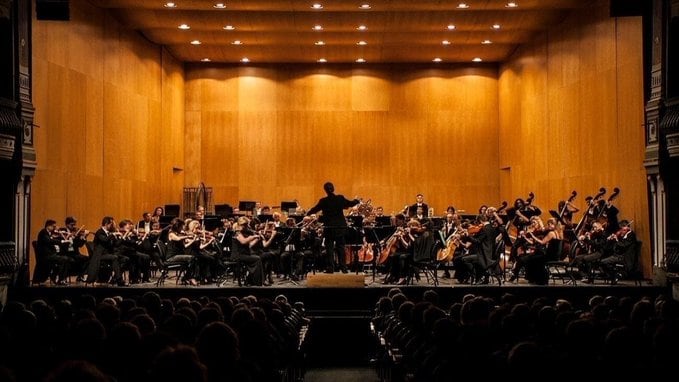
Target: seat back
(162,249)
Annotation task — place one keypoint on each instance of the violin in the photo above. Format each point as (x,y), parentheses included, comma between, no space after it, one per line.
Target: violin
(474,229)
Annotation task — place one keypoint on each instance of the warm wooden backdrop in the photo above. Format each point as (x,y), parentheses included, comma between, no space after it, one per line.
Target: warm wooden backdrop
(110,116)
(116,114)
(384,133)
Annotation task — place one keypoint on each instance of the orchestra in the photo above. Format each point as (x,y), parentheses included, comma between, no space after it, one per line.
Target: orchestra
(287,246)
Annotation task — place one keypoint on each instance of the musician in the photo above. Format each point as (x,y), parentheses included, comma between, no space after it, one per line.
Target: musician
(262,247)
(240,250)
(546,248)
(200,214)
(105,241)
(449,227)
(157,213)
(76,239)
(397,249)
(624,253)
(293,248)
(593,245)
(196,244)
(466,246)
(411,210)
(379,211)
(482,250)
(335,225)
(276,216)
(144,225)
(177,253)
(567,210)
(420,215)
(128,246)
(48,255)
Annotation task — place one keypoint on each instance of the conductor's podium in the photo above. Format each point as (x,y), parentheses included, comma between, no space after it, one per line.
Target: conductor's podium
(336,280)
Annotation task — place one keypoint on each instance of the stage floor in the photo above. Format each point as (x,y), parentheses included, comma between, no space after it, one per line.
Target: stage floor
(351,298)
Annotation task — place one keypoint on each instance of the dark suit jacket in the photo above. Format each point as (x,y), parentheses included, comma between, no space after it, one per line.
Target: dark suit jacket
(46,245)
(412,210)
(104,244)
(333,207)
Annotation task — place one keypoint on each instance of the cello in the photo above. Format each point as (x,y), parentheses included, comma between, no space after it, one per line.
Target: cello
(390,246)
(365,253)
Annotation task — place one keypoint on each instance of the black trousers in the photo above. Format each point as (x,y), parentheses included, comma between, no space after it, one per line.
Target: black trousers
(334,242)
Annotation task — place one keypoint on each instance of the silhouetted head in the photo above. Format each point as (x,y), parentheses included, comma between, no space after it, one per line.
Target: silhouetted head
(329,187)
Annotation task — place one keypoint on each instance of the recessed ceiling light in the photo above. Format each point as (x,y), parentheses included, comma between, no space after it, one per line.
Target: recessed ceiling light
(437,59)
(361,27)
(486,42)
(364,6)
(205,59)
(237,42)
(496,26)
(318,27)
(319,43)
(445,42)
(219,6)
(360,60)
(184,26)
(317,6)
(170,5)
(322,60)
(244,59)
(361,43)
(196,42)
(511,4)
(463,5)
(477,59)
(229,27)
(451,27)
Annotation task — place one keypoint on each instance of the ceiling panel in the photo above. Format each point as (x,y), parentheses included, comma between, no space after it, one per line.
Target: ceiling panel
(276,31)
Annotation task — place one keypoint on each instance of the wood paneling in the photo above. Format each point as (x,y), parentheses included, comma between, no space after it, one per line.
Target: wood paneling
(110,111)
(384,133)
(571,116)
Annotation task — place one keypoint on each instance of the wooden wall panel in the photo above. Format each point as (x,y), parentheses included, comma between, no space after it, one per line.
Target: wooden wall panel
(382,133)
(101,142)
(579,94)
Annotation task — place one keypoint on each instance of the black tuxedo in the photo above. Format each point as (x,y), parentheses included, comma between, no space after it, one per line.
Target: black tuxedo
(47,257)
(104,249)
(334,222)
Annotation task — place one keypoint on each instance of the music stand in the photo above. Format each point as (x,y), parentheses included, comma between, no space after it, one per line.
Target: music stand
(211,222)
(353,240)
(383,221)
(355,221)
(289,208)
(223,210)
(246,206)
(265,217)
(172,210)
(165,220)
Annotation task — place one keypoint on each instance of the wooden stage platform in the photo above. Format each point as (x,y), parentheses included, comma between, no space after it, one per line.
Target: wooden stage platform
(346,293)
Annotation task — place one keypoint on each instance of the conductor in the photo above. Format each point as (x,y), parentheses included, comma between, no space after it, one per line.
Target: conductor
(334,224)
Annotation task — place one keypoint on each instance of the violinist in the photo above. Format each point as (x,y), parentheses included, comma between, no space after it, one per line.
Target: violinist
(105,241)
(293,247)
(138,263)
(50,262)
(76,239)
(240,250)
(593,246)
(623,254)
(196,243)
(263,246)
(177,253)
(546,244)
(482,251)
(463,269)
